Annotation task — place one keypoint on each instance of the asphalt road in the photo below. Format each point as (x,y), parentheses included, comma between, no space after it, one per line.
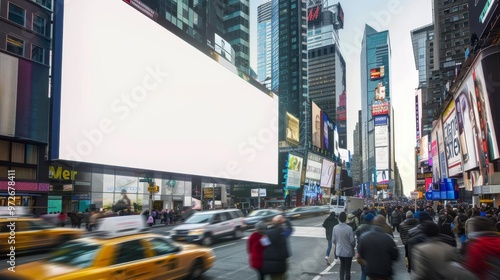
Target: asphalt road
(308,246)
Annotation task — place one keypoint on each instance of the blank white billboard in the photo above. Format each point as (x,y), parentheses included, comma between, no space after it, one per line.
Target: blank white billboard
(130,93)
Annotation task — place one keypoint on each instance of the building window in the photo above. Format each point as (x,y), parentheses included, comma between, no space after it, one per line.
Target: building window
(16,14)
(46,3)
(38,54)
(15,45)
(39,25)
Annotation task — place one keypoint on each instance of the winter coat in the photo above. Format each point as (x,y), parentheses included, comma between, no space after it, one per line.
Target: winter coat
(405,228)
(343,238)
(481,252)
(255,250)
(379,251)
(396,217)
(432,260)
(328,224)
(276,254)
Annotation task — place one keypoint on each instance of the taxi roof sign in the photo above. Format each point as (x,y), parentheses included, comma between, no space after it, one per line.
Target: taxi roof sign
(121,225)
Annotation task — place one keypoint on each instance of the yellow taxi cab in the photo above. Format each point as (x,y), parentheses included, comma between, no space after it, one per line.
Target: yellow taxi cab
(119,249)
(22,233)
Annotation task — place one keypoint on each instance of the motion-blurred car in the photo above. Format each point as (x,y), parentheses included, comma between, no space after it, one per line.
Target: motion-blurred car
(119,249)
(305,212)
(203,227)
(28,234)
(264,215)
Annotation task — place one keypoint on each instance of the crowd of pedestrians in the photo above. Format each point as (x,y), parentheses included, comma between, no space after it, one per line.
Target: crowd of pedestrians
(459,243)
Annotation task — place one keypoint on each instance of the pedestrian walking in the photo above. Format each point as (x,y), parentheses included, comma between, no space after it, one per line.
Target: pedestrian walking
(364,227)
(276,253)
(378,251)
(256,244)
(396,218)
(405,227)
(328,224)
(343,238)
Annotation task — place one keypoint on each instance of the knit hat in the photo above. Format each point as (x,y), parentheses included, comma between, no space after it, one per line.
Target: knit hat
(424,216)
(409,214)
(369,217)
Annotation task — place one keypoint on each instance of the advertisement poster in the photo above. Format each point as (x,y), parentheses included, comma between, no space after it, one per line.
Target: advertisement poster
(452,147)
(327,173)
(294,172)
(441,150)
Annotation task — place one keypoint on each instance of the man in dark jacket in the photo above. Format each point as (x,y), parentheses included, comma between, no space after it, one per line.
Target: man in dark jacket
(379,252)
(276,254)
(328,224)
(405,227)
(396,218)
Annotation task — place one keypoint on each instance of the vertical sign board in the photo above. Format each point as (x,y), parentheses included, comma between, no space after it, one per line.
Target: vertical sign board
(452,147)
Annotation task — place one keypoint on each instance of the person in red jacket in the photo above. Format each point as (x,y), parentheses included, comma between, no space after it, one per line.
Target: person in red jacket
(255,247)
(482,249)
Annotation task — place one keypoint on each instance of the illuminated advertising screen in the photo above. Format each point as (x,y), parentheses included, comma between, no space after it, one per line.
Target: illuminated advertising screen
(377,73)
(313,167)
(443,169)
(424,153)
(292,129)
(381,135)
(382,158)
(326,141)
(466,125)
(316,125)
(380,92)
(327,173)
(452,147)
(481,12)
(130,93)
(294,172)
(380,109)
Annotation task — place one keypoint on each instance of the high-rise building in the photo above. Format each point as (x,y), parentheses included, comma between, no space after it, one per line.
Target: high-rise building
(25,33)
(327,68)
(377,144)
(451,39)
(264,44)
(423,51)
(356,165)
(221,24)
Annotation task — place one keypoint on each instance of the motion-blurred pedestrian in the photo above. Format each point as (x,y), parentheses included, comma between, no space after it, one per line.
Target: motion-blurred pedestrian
(256,244)
(328,224)
(343,238)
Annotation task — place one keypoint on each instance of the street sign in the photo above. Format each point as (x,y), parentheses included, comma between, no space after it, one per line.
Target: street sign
(414,195)
(153,189)
(146,180)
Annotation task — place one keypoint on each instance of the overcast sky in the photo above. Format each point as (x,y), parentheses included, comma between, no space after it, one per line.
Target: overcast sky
(399,17)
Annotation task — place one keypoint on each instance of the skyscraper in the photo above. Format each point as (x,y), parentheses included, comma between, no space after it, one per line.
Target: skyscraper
(264,43)
(327,68)
(377,144)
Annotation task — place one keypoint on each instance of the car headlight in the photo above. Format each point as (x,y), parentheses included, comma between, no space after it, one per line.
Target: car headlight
(195,232)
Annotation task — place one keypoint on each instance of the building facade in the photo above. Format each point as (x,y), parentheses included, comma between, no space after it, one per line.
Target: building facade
(25,45)
(264,44)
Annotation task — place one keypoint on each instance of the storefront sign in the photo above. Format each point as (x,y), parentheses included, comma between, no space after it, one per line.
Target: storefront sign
(61,174)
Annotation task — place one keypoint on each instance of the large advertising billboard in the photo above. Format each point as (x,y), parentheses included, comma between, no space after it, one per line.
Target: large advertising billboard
(313,167)
(466,125)
(316,125)
(377,73)
(424,151)
(294,172)
(443,167)
(292,129)
(382,158)
(151,101)
(435,156)
(380,108)
(481,12)
(381,135)
(327,173)
(452,147)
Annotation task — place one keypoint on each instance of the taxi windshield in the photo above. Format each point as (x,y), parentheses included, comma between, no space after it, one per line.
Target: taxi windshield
(199,218)
(77,254)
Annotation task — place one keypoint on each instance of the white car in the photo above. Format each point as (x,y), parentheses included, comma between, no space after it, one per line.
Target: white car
(204,227)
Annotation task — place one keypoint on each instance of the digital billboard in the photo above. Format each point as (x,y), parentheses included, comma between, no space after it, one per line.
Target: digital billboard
(443,169)
(292,129)
(381,135)
(313,167)
(382,158)
(380,109)
(377,73)
(316,125)
(144,98)
(424,152)
(326,124)
(327,173)
(481,12)
(466,125)
(436,175)
(380,92)
(452,147)
(294,172)
(314,14)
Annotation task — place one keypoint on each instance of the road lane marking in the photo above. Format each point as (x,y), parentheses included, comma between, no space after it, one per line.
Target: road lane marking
(225,245)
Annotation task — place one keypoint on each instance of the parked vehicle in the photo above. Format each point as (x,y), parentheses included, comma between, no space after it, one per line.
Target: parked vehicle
(203,227)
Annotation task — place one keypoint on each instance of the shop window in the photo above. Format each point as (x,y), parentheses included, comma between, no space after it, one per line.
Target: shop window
(16,14)
(25,173)
(15,45)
